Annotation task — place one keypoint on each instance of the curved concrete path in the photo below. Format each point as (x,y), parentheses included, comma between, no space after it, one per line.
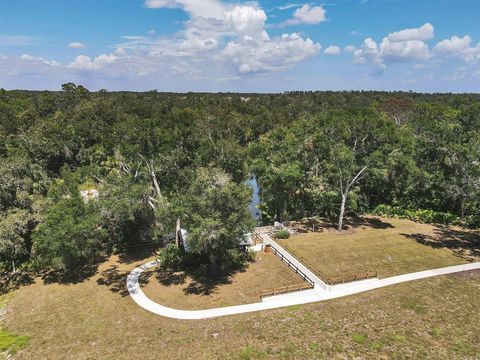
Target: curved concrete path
(273,302)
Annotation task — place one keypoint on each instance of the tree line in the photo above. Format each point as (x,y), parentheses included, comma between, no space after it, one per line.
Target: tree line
(152,158)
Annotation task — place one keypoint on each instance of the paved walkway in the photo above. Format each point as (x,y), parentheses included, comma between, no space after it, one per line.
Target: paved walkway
(273,302)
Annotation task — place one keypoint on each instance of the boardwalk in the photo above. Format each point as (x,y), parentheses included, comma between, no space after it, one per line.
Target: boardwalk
(314,278)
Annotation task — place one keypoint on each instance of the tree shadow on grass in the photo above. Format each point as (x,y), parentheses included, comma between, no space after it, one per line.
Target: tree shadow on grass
(169,278)
(116,279)
(465,244)
(201,283)
(349,223)
(204,284)
(76,276)
(371,222)
(12,281)
(136,255)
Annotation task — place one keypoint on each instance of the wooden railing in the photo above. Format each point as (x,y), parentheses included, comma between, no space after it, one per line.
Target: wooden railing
(293,266)
(286,289)
(144,246)
(349,278)
(344,278)
(257,239)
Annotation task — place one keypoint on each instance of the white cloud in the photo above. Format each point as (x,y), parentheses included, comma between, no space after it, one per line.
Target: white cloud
(289,6)
(459,47)
(278,54)
(204,8)
(423,33)
(220,42)
(307,15)
(402,46)
(246,20)
(37,59)
(17,40)
(349,48)
(229,35)
(76,45)
(332,50)
(85,62)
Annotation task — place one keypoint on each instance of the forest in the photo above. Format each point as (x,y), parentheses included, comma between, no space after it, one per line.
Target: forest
(85,174)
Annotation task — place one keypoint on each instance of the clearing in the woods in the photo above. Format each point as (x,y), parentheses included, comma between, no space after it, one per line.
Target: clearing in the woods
(189,291)
(94,317)
(389,246)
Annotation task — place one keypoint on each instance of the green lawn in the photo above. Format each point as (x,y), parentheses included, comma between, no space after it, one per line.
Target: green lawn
(389,246)
(12,343)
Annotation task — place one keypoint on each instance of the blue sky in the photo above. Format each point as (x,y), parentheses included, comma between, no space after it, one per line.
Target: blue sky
(247,46)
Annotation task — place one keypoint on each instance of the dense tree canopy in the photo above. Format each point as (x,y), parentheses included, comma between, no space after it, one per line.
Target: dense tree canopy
(216,212)
(149,158)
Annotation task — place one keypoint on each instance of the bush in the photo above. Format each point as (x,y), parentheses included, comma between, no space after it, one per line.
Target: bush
(473,221)
(171,257)
(282,234)
(70,237)
(419,215)
(236,260)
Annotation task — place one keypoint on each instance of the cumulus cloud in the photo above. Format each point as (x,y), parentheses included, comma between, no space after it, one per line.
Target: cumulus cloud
(76,45)
(225,34)
(220,41)
(87,63)
(246,21)
(332,50)
(401,46)
(278,54)
(423,33)
(459,47)
(349,48)
(307,15)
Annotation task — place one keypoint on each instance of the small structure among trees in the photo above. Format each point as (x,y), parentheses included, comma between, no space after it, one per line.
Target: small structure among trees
(215,210)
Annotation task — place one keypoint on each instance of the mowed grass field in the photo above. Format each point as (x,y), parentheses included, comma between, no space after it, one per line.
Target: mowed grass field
(182,291)
(389,246)
(436,318)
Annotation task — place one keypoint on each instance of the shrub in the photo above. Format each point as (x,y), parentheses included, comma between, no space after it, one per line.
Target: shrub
(473,221)
(420,215)
(236,260)
(170,258)
(282,234)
